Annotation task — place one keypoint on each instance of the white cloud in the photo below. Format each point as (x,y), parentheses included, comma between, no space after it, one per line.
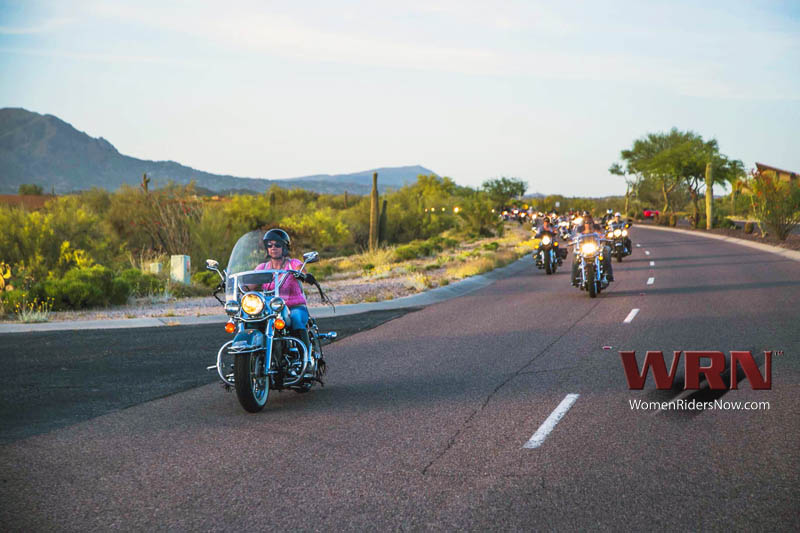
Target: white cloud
(46,26)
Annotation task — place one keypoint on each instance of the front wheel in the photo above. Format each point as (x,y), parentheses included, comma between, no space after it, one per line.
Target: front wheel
(591,281)
(548,265)
(251,381)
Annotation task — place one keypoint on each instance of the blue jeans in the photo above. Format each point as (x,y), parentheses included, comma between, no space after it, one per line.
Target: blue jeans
(298,316)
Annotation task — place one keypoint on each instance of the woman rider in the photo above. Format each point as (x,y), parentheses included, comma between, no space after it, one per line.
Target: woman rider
(589,226)
(277,243)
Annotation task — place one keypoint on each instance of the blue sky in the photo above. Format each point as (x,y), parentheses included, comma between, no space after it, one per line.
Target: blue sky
(546,91)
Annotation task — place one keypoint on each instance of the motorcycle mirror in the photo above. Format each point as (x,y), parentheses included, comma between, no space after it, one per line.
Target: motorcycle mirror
(212,264)
(311,257)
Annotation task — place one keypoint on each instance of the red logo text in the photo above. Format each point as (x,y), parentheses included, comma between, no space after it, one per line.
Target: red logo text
(692,369)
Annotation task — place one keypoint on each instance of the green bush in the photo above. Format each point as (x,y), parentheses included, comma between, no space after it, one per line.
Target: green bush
(749,227)
(725,223)
(142,284)
(80,288)
(206,278)
(491,246)
(180,290)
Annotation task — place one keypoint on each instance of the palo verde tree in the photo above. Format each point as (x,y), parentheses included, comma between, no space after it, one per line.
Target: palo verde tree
(673,161)
(502,190)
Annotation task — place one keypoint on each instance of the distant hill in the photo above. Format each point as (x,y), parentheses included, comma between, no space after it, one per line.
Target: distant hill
(47,151)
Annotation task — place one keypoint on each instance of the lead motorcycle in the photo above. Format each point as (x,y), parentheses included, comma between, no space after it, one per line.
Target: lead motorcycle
(263,356)
(589,256)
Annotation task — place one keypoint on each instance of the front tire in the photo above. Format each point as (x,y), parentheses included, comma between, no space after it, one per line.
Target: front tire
(251,381)
(548,265)
(591,281)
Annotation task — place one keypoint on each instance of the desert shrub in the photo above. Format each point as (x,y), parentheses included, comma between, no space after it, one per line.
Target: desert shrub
(749,227)
(87,287)
(181,290)
(491,246)
(206,278)
(143,284)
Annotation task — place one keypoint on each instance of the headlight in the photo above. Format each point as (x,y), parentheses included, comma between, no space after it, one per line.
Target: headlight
(277,304)
(546,239)
(617,233)
(610,234)
(624,233)
(252,303)
(588,248)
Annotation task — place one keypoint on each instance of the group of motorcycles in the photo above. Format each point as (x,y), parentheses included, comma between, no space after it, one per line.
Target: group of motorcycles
(264,356)
(592,251)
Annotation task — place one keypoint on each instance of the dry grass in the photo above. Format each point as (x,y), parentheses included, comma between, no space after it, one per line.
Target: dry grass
(470,268)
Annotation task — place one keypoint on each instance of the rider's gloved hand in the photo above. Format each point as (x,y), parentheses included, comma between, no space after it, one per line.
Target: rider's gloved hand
(300,276)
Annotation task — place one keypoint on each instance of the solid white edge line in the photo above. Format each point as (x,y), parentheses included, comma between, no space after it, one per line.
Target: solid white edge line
(650,281)
(629,318)
(652,263)
(647,252)
(548,425)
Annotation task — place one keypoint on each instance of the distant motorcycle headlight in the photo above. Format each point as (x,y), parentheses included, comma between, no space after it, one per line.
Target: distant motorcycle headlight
(252,303)
(624,233)
(617,233)
(610,234)
(588,248)
(277,304)
(546,240)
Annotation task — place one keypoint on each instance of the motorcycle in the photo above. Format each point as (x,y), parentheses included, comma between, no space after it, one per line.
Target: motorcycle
(589,258)
(263,356)
(618,235)
(548,256)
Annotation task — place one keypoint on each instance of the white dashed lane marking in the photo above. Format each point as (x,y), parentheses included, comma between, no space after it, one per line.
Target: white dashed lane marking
(544,430)
(647,252)
(650,281)
(631,315)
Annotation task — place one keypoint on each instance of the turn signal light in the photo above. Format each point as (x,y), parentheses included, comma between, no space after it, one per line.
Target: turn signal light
(279,323)
(230,327)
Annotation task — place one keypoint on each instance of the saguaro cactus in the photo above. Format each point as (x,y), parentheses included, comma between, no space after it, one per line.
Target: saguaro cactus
(145,182)
(709,195)
(345,199)
(382,224)
(373,213)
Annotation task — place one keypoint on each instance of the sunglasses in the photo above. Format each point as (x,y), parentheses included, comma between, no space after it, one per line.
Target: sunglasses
(272,244)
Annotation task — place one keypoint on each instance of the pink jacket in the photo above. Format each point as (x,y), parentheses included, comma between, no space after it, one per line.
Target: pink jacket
(290,289)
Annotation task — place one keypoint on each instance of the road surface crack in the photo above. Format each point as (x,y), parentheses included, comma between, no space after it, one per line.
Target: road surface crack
(451,442)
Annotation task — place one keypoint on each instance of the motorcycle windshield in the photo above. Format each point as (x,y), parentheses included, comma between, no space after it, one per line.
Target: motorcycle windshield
(247,254)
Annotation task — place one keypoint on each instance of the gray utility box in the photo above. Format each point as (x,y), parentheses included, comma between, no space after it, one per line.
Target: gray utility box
(180,268)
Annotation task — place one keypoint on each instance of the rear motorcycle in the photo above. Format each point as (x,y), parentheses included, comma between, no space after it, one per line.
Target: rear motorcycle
(548,256)
(263,356)
(618,236)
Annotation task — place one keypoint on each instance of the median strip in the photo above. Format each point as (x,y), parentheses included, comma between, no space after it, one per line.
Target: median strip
(544,430)
(630,317)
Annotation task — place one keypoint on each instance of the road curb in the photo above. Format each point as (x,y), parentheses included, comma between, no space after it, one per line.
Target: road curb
(422,299)
(789,254)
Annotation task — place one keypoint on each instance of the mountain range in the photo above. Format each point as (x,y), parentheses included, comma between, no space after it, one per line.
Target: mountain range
(45,150)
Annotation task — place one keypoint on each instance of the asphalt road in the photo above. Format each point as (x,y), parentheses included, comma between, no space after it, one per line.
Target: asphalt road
(423,420)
